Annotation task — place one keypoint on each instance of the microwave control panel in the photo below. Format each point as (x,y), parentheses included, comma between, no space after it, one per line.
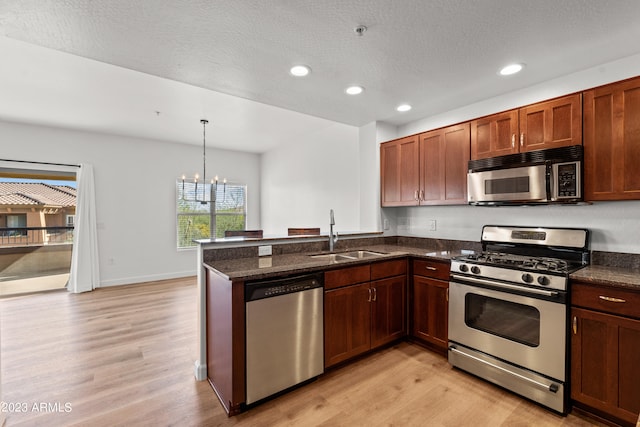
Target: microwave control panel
(568,180)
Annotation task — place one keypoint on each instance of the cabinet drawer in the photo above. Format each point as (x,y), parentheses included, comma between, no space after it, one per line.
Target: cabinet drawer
(434,269)
(602,298)
(396,267)
(346,276)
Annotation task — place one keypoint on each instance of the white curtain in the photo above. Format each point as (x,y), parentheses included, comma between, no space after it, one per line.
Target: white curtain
(84,275)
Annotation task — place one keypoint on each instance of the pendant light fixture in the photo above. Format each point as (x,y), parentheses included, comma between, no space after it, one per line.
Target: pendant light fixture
(201,196)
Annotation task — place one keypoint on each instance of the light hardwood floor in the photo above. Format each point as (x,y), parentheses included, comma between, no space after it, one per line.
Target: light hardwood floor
(124,356)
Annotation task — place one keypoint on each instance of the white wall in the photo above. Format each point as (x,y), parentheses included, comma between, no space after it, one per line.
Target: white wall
(135,193)
(613,224)
(302,180)
(369,138)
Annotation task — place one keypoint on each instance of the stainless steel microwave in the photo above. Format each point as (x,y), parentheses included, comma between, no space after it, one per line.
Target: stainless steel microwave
(535,177)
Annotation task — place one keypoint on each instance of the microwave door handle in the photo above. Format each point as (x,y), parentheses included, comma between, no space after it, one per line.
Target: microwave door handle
(549,179)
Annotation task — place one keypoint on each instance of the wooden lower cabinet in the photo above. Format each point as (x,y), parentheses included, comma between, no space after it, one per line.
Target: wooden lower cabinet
(431,311)
(605,349)
(363,316)
(430,303)
(388,313)
(347,323)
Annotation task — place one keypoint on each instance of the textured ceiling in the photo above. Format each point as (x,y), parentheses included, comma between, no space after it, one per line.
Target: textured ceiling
(434,54)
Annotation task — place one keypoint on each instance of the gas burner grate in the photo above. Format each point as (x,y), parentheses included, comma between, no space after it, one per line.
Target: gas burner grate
(519,261)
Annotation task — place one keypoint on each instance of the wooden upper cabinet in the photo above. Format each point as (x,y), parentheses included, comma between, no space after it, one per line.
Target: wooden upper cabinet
(444,158)
(399,172)
(612,141)
(495,135)
(551,124)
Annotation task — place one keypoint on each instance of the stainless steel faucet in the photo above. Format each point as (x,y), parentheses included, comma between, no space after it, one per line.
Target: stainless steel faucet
(333,237)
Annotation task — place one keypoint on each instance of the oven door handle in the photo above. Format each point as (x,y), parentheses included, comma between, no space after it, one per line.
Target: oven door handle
(553,388)
(504,285)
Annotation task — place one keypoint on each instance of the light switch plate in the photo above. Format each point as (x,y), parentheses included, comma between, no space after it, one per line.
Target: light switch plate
(264,250)
(432,225)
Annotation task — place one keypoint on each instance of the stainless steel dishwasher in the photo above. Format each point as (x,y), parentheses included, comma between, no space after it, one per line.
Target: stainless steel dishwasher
(284,334)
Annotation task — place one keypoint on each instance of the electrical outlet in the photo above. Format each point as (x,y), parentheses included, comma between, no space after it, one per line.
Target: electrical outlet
(432,225)
(385,225)
(264,250)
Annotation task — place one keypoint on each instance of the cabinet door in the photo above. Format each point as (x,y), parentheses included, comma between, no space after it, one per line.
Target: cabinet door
(430,311)
(495,135)
(444,158)
(551,124)
(612,141)
(347,323)
(388,314)
(604,369)
(399,168)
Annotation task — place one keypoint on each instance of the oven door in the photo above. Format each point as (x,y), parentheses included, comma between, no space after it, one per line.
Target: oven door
(521,184)
(520,329)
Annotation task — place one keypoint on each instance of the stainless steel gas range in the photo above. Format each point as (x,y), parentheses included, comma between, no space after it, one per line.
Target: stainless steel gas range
(508,317)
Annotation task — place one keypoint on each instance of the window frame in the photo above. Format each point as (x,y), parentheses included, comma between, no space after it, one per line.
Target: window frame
(213,216)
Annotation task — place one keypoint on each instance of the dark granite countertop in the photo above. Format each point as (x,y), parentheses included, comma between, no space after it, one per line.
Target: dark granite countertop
(253,268)
(243,267)
(609,276)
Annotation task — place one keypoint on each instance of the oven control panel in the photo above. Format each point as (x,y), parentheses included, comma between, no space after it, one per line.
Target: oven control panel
(513,276)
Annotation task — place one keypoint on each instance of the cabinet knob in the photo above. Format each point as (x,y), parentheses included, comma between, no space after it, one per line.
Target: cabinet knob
(522,140)
(513,140)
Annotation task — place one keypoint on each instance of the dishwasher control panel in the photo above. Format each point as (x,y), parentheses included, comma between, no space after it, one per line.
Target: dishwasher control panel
(273,288)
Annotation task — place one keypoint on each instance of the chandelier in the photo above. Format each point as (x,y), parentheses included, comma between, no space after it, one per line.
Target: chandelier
(200,195)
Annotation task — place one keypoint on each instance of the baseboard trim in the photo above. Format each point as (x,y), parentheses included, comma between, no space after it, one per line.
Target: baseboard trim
(146,278)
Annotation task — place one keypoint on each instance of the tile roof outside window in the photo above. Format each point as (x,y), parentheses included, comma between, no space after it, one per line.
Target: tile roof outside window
(22,193)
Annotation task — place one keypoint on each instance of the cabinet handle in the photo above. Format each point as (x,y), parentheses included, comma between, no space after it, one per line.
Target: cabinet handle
(513,140)
(422,195)
(611,299)
(447,296)
(375,294)
(575,325)
(415,196)
(522,140)
(428,267)
(369,300)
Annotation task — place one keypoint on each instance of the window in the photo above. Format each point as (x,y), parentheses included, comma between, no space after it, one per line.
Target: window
(16,221)
(71,220)
(194,218)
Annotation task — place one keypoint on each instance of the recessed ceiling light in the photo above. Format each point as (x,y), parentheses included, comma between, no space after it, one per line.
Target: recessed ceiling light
(403,107)
(354,90)
(300,70)
(511,69)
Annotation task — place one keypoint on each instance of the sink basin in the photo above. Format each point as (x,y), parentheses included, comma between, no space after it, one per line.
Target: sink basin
(361,254)
(351,255)
(332,257)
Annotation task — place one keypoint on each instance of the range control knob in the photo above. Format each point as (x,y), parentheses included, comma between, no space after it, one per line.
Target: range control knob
(527,278)
(543,280)
(464,268)
(475,269)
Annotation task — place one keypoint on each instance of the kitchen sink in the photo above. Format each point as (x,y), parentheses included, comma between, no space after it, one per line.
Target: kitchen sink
(351,255)
(332,257)
(362,254)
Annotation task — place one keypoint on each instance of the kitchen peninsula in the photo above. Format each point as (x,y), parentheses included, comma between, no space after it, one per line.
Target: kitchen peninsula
(227,264)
